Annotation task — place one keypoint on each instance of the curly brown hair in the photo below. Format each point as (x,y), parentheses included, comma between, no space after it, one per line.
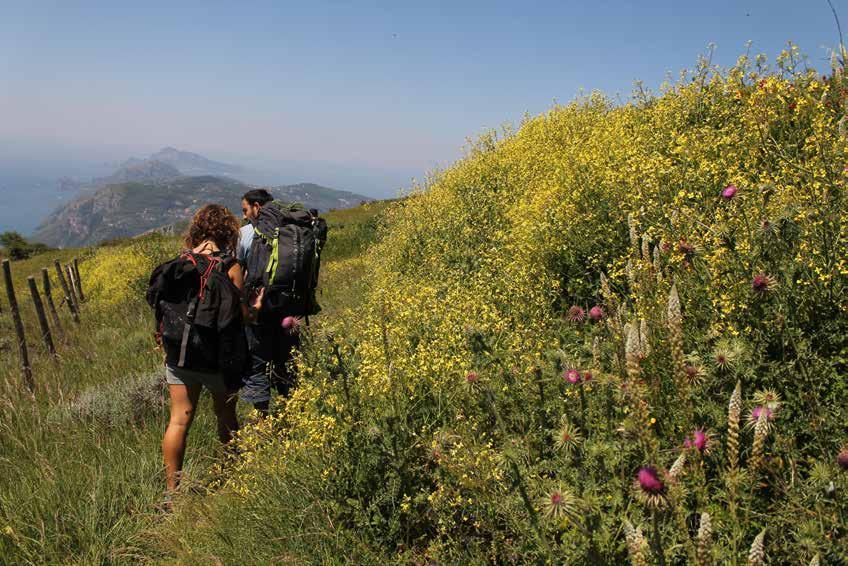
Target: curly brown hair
(216,223)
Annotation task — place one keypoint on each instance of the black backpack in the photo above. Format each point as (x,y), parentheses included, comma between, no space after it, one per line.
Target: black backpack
(198,315)
(285,258)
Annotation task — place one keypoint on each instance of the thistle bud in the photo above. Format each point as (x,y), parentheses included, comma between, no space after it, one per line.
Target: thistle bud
(634,235)
(677,467)
(757,554)
(631,350)
(636,544)
(596,313)
(842,459)
(734,413)
(596,353)
(644,338)
(675,339)
(761,430)
(576,314)
(705,540)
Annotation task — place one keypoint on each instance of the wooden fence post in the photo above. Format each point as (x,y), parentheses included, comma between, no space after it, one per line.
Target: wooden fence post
(48,295)
(78,279)
(42,319)
(67,291)
(26,370)
(73,285)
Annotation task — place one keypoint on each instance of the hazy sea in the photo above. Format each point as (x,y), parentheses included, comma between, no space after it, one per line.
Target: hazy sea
(26,201)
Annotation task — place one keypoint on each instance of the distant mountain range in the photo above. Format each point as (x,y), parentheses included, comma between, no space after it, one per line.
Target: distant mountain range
(165,164)
(164,189)
(189,163)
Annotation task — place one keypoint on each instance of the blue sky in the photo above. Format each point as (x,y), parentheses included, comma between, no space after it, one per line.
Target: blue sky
(359,95)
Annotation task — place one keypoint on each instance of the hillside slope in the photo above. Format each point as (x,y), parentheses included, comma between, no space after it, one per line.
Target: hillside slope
(132,208)
(617,333)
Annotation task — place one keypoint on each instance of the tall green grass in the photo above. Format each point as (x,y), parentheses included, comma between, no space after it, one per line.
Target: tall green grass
(81,479)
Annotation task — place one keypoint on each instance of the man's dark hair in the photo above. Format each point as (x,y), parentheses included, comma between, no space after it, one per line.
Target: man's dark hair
(258,196)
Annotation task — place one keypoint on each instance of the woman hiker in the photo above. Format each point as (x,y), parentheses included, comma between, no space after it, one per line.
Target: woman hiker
(200,319)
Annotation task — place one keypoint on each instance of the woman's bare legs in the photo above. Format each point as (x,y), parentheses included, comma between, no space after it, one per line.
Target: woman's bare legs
(183,404)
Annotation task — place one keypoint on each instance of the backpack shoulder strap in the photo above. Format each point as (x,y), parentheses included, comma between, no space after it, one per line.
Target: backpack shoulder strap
(227,262)
(205,265)
(190,314)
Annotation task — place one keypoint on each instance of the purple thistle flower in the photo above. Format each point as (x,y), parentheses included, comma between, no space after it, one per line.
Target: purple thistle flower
(842,459)
(729,192)
(698,441)
(291,324)
(572,376)
(762,283)
(649,481)
(596,314)
(755,413)
(471,377)
(685,247)
(557,504)
(649,489)
(576,314)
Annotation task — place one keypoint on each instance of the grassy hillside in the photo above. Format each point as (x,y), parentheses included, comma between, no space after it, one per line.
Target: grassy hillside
(80,467)
(616,333)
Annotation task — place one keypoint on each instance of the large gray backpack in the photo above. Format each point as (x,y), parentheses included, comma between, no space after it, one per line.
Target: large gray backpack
(285,257)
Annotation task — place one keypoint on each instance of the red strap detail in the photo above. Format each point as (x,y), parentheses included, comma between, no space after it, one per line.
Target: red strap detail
(213,263)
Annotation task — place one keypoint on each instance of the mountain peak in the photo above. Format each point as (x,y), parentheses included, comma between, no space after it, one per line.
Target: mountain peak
(194,164)
(172,152)
(150,169)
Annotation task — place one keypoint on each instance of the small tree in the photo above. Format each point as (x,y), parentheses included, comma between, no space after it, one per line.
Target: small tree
(17,247)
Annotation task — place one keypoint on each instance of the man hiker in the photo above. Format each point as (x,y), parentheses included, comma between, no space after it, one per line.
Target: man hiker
(280,246)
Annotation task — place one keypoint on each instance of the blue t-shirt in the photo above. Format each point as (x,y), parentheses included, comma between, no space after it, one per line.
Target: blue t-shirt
(245,241)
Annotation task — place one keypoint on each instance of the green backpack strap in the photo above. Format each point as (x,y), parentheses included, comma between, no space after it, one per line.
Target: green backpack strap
(274,259)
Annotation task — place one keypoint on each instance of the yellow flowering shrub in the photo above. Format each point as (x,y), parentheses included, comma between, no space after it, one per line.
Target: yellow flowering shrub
(449,416)
(118,274)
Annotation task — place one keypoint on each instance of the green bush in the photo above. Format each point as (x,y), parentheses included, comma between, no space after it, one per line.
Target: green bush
(17,247)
